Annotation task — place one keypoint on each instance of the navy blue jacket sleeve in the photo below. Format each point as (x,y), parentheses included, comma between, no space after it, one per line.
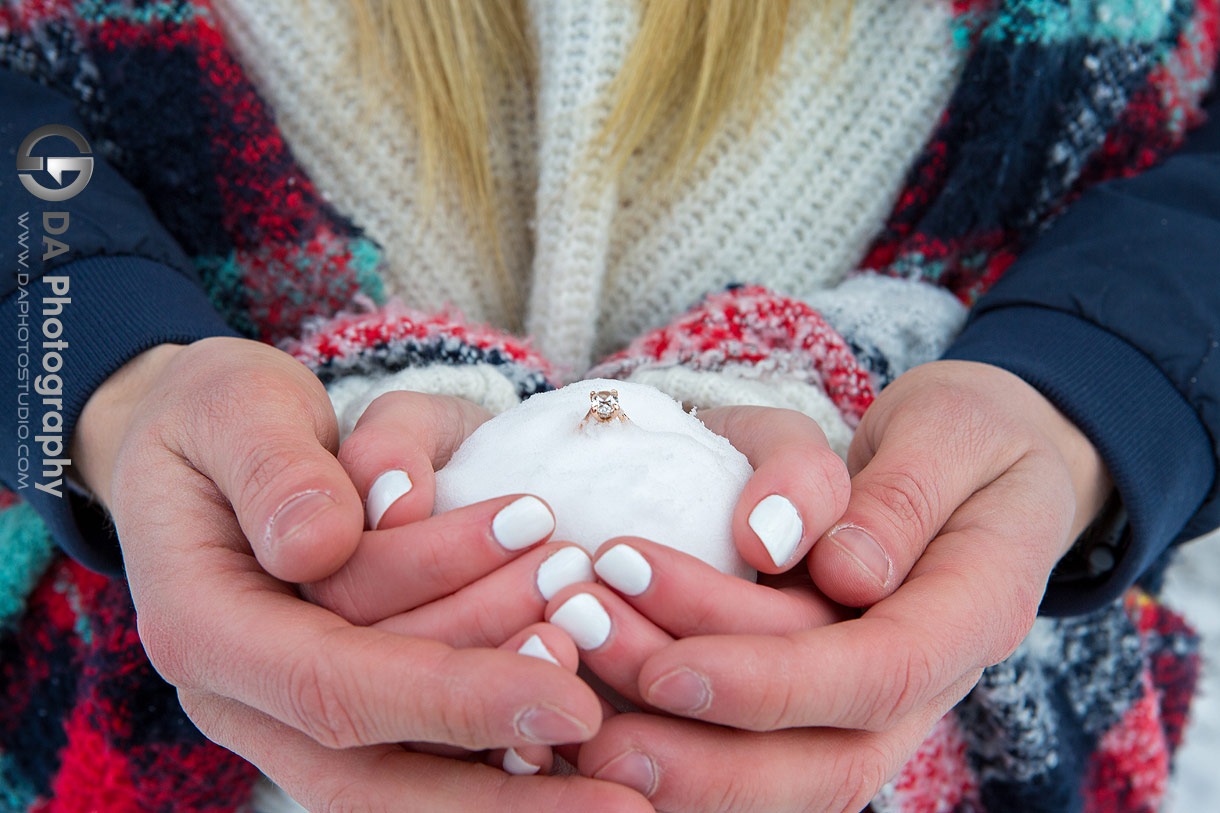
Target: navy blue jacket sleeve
(88,283)
(1114,315)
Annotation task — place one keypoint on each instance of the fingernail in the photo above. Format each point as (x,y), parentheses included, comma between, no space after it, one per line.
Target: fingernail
(534,647)
(547,725)
(385,491)
(294,514)
(522,523)
(562,568)
(778,524)
(514,764)
(869,555)
(625,569)
(585,619)
(682,691)
(633,769)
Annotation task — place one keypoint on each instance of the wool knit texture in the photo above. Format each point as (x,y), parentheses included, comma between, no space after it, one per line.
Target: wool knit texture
(804,261)
(793,200)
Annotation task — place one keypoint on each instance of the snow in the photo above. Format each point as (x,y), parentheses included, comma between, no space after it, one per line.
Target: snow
(661,475)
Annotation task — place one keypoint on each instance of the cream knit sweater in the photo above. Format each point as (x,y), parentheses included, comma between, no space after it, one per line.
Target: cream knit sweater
(790,202)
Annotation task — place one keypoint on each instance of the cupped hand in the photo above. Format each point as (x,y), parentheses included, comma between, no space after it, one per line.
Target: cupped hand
(216,462)
(471,577)
(972,486)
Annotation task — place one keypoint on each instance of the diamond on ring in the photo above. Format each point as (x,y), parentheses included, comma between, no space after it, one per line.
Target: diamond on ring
(604,408)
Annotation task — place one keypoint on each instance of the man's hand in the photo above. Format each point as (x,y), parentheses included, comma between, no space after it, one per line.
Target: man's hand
(216,462)
(970,484)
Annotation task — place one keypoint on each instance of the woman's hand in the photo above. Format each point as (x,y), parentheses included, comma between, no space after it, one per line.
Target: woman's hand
(216,462)
(972,486)
(471,577)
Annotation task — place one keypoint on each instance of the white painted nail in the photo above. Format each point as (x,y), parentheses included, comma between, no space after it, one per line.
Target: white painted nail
(562,568)
(522,523)
(585,619)
(386,490)
(625,569)
(534,647)
(514,764)
(779,526)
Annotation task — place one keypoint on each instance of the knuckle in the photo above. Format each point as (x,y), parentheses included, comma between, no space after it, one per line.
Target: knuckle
(459,724)
(259,471)
(433,555)
(838,483)
(321,704)
(904,689)
(955,405)
(431,565)
(972,425)
(774,706)
(447,427)
(918,682)
(862,770)
(608,797)
(394,402)
(908,500)
(209,406)
(202,715)
(463,720)
(730,796)
(340,594)
(356,454)
(220,398)
(1013,627)
(164,647)
(489,622)
(369,447)
(365,457)
(823,474)
(703,616)
(265,395)
(265,476)
(350,796)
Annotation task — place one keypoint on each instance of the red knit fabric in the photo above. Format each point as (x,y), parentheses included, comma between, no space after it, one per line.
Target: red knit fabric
(753,326)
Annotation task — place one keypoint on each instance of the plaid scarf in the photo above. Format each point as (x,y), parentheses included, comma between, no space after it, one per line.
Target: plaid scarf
(1056,96)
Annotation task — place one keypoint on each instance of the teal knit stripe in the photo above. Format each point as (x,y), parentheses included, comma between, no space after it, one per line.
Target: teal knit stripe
(1058,21)
(26,551)
(161,11)
(222,280)
(330,260)
(366,259)
(16,794)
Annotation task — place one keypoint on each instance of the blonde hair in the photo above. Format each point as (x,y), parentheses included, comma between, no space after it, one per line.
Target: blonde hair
(691,63)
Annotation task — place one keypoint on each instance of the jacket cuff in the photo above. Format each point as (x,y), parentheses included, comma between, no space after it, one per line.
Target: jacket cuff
(1157,449)
(113,308)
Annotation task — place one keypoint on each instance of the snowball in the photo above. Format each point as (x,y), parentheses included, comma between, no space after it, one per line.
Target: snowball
(661,475)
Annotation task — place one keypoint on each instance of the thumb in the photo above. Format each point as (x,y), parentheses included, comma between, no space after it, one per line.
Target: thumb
(919,474)
(269,453)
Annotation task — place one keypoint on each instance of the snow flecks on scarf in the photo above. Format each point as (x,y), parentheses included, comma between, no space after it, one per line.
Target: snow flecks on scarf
(210,161)
(770,334)
(1010,746)
(394,337)
(1056,97)
(87,724)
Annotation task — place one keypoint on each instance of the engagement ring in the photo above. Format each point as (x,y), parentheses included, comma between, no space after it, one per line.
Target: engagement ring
(604,408)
